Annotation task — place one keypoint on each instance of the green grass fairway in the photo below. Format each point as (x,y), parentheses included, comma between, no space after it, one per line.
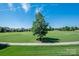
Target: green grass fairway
(28,37)
(17,37)
(40,50)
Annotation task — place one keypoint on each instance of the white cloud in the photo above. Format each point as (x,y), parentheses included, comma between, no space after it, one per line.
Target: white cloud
(25,6)
(10,6)
(38,9)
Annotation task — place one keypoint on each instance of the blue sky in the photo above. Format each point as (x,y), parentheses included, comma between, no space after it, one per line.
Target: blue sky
(22,14)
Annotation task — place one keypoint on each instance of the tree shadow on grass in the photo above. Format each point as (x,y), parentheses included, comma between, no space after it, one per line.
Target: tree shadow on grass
(48,40)
(3,46)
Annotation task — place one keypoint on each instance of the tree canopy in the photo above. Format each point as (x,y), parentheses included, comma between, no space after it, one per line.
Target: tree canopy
(39,27)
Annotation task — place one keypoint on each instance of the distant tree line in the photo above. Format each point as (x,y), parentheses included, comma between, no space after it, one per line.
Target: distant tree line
(7,29)
(66,28)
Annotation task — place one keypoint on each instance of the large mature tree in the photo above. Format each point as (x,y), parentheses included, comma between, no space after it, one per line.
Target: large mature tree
(39,27)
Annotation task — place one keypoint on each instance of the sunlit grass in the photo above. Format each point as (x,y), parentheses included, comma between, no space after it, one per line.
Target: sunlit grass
(28,36)
(40,50)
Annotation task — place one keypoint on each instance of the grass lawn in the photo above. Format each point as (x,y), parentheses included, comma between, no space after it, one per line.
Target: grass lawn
(40,51)
(28,37)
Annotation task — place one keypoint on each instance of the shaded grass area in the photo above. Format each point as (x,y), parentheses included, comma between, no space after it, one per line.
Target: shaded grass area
(48,40)
(3,46)
(41,51)
(63,36)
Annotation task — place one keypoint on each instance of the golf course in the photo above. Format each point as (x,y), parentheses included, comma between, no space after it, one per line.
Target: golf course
(72,50)
(26,37)
(62,36)
(39,29)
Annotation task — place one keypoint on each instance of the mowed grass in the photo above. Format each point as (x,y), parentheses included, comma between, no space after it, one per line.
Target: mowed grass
(17,37)
(41,51)
(63,36)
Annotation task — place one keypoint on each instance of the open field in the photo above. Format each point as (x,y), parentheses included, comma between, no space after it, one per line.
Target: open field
(40,50)
(27,37)
(62,36)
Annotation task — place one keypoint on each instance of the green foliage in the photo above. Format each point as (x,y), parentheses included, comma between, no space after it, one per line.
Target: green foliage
(67,28)
(50,28)
(39,26)
(7,29)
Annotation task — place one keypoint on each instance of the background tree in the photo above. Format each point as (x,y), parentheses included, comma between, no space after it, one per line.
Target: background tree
(72,28)
(50,28)
(39,27)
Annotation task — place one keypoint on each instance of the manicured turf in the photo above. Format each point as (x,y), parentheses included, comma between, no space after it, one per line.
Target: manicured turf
(28,37)
(40,50)
(64,35)
(17,37)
